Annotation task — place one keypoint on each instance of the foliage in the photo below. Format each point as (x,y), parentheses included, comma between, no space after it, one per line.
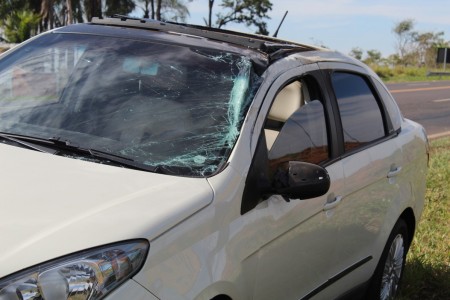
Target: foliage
(7,8)
(172,10)
(425,46)
(404,36)
(384,72)
(56,13)
(415,48)
(427,272)
(400,73)
(357,53)
(121,7)
(373,57)
(248,12)
(148,8)
(19,25)
(92,8)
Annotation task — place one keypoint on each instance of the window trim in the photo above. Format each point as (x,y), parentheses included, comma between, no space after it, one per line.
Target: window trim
(255,184)
(375,83)
(317,76)
(387,123)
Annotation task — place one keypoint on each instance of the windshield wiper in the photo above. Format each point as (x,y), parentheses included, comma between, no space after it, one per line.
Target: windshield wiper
(26,144)
(65,145)
(59,146)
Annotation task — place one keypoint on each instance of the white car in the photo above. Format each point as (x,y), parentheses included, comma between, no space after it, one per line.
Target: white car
(150,160)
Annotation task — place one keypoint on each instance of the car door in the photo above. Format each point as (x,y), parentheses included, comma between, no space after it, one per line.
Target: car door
(297,236)
(371,161)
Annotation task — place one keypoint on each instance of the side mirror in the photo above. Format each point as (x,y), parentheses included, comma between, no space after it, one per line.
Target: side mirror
(301,180)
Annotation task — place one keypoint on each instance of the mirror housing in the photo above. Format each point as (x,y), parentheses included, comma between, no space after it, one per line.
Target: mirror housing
(301,180)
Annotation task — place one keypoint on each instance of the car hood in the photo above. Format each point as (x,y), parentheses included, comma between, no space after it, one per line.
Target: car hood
(53,206)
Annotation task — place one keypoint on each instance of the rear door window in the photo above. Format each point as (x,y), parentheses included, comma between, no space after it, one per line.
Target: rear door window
(362,120)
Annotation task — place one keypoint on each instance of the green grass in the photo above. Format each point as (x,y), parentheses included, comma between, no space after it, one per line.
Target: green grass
(427,272)
(406,74)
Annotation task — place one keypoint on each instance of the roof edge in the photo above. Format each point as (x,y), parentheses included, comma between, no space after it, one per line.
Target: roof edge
(261,43)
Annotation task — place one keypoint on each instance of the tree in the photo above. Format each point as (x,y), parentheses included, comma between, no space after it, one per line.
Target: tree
(158,9)
(426,45)
(20,25)
(13,16)
(74,10)
(373,57)
(147,8)
(47,15)
(92,8)
(69,12)
(173,10)
(404,35)
(210,8)
(121,7)
(55,13)
(414,47)
(357,53)
(248,12)
(7,8)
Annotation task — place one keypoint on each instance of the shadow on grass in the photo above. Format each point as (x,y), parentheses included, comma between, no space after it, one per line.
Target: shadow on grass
(423,281)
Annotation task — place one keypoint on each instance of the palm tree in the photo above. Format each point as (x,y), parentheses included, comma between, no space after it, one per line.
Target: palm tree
(20,25)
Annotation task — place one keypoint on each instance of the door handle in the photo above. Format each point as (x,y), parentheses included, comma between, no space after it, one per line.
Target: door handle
(332,204)
(394,172)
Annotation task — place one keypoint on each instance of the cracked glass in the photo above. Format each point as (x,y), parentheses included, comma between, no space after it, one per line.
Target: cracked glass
(175,108)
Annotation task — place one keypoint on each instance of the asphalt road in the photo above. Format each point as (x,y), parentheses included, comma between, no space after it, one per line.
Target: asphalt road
(427,103)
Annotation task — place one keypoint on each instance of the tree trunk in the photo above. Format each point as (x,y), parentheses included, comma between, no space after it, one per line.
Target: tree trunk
(158,10)
(47,14)
(97,8)
(153,8)
(93,8)
(69,12)
(211,3)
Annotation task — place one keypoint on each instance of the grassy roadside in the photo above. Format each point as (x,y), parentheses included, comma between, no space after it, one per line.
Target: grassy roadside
(427,272)
(407,74)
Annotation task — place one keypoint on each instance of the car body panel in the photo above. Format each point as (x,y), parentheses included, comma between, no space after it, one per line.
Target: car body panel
(293,231)
(85,199)
(131,289)
(206,251)
(364,209)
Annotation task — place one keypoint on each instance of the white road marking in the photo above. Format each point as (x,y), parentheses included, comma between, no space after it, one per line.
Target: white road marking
(441,100)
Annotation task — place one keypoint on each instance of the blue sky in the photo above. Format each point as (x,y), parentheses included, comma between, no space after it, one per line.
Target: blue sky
(344,24)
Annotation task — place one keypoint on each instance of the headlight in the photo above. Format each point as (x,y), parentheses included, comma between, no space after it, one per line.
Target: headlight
(90,274)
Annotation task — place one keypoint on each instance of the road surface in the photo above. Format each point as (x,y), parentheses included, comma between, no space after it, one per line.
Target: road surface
(425,102)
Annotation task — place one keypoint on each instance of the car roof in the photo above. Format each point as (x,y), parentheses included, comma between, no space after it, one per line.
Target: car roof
(254,41)
(263,50)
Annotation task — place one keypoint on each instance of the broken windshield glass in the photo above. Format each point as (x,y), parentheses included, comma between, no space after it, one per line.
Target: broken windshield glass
(159,104)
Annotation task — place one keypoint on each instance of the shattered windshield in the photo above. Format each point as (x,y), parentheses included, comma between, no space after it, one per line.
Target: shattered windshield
(162,105)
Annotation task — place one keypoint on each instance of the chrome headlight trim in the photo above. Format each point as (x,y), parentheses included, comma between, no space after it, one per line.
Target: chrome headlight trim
(88,274)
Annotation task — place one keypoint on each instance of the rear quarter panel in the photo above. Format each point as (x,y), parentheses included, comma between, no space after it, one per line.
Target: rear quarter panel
(414,145)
